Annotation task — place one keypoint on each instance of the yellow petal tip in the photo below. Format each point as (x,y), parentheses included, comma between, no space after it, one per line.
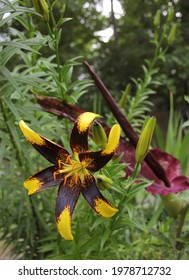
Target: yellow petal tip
(85,120)
(32,185)
(104,208)
(64,224)
(113,140)
(31,135)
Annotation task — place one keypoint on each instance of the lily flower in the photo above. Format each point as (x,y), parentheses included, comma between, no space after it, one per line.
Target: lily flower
(72,171)
(171,167)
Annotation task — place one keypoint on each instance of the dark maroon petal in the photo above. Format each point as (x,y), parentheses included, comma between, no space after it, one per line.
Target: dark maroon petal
(128,151)
(59,108)
(47,148)
(179,184)
(95,199)
(68,194)
(181,181)
(80,131)
(43,180)
(95,160)
(170,164)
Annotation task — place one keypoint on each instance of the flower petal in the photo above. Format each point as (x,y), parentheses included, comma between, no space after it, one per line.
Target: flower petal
(170,164)
(178,184)
(67,197)
(79,135)
(50,150)
(95,199)
(113,140)
(96,160)
(42,180)
(60,108)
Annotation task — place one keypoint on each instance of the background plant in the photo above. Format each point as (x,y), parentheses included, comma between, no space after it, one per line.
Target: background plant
(35,58)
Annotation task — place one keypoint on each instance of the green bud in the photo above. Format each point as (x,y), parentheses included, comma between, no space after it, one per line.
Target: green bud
(145,139)
(126,93)
(173,204)
(172,33)
(170,14)
(99,135)
(157,18)
(103,182)
(41,7)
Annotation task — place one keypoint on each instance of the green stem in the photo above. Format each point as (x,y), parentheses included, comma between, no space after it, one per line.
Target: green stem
(178,244)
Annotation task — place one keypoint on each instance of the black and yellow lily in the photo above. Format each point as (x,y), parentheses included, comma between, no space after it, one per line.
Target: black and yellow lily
(72,172)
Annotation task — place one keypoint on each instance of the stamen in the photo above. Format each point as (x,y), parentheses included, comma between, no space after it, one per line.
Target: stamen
(68,158)
(59,164)
(68,168)
(54,175)
(76,178)
(65,179)
(73,165)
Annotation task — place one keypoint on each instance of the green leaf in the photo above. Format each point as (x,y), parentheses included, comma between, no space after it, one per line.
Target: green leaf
(12,107)
(106,234)
(130,210)
(2,149)
(14,133)
(7,53)
(184,152)
(63,20)
(8,75)
(155,216)
(138,187)
(159,137)
(135,223)
(8,18)
(21,45)
(186,98)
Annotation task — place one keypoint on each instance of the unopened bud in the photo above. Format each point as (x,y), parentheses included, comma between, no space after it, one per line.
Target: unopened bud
(103,182)
(172,33)
(173,204)
(171,13)
(99,135)
(126,93)
(157,18)
(41,7)
(145,139)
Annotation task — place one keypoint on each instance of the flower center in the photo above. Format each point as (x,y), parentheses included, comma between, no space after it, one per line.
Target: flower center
(71,167)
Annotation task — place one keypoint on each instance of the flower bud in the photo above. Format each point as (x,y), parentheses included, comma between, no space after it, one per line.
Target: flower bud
(103,182)
(99,135)
(172,33)
(145,140)
(157,18)
(173,204)
(170,14)
(42,8)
